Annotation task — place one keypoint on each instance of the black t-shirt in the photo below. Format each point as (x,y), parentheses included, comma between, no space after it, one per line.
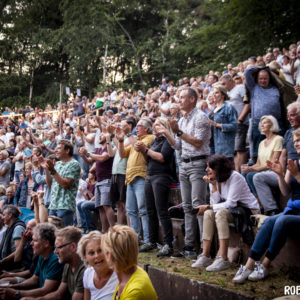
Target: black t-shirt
(161,145)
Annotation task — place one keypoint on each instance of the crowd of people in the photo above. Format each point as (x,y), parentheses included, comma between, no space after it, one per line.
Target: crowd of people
(66,171)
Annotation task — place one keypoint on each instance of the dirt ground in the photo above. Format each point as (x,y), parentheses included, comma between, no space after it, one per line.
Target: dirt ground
(270,288)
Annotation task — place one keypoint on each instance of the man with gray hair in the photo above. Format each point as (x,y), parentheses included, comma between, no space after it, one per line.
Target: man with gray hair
(4,169)
(136,175)
(48,272)
(11,237)
(192,138)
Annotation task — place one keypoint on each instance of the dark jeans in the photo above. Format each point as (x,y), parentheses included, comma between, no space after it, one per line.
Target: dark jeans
(273,234)
(157,188)
(249,178)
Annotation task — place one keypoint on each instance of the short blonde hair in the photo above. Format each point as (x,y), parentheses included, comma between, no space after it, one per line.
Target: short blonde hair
(296,133)
(28,165)
(164,122)
(275,126)
(92,236)
(70,233)
(121,242)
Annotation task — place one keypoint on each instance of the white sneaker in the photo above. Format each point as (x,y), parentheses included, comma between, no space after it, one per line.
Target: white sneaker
(202,261)
(218,265)
(242,274)
(259,273)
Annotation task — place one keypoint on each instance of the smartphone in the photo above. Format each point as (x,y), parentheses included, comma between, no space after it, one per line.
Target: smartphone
(195,211)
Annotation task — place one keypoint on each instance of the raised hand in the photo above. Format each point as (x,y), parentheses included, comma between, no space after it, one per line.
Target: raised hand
(42,162)
(275,167)
(173,124)
(120,133)
(82,151)
(292,166)
(207,179)
(140,147)
(50,165)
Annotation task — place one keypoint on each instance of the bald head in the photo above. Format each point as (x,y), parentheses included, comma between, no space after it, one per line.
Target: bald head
(263,79)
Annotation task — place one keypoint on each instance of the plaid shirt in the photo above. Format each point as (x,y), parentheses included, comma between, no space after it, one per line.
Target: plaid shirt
(196,124)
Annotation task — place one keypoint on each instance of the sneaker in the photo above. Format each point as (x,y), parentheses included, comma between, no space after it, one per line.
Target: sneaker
(202,261)
(166,250)
(219,264)
(147,247)
(259,273)
(242,274)
(187,252)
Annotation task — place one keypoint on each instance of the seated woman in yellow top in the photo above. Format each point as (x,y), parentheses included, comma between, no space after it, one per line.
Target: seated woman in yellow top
(269,149)
(120,246)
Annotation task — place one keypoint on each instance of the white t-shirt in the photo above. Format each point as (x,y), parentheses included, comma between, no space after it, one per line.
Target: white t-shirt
(82,184)
(286,70)
(90,146)
(236,96)
(297,70)
(106,293)
(9,136)
(164,106)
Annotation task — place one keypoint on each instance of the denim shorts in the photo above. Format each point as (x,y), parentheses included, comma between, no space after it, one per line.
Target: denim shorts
(102,191)
(240,138)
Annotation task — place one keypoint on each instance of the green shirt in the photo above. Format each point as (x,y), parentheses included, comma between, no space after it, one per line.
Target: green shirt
(74,280)
(48,268)
(65,198)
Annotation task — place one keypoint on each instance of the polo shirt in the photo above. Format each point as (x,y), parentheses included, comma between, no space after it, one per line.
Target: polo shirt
(48,268)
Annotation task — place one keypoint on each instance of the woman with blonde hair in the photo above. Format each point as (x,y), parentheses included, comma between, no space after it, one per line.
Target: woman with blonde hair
(25,188)
(99,280)
(224,123)
(161,171)
(120,246)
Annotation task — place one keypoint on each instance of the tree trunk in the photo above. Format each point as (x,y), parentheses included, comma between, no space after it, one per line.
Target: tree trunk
(104,65)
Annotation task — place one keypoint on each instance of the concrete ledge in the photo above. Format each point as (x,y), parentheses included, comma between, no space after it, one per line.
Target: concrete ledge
(175,287)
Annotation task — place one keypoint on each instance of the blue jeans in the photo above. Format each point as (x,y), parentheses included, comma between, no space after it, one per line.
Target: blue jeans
(66,215)
(17,176)
(249,178)
(84,166)
(84,208)
(273,234)
(135,204)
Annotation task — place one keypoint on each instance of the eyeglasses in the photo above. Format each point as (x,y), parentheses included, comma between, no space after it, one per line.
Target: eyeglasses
(64,245)
(292,115)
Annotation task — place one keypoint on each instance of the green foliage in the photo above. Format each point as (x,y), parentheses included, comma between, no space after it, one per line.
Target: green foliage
(48,42)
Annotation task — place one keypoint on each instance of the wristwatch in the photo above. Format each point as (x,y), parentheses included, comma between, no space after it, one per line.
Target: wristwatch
(88,155)
(112,136)
(179,133)
(53,172)
(129,134)
(208,207)
(18,295)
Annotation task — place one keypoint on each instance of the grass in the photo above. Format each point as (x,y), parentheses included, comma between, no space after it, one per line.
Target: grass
(270,288)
